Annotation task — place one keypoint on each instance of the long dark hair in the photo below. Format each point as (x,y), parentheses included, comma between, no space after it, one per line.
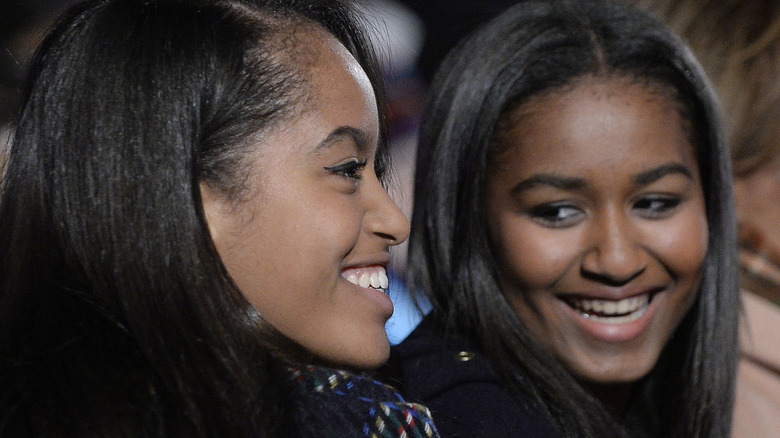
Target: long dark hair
(105,255)
(536,47)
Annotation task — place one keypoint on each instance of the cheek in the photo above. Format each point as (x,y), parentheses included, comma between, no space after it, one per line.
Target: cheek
(344,214)
(331,227)
(682,244)
(530,256)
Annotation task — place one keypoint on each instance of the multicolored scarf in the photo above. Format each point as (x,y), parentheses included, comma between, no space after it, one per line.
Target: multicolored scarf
(339,403)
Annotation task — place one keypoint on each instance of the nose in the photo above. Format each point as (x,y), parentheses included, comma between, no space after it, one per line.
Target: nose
(614,254)
(384,218)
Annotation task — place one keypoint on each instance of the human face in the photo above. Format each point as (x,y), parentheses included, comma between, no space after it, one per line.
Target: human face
(310,247)
(596,215)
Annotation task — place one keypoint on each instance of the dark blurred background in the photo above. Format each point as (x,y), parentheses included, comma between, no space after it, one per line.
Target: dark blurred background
(22,25)
(436,24)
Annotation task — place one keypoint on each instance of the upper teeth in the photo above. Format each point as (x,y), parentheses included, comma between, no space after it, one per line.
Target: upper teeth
(615,312)
(374,277)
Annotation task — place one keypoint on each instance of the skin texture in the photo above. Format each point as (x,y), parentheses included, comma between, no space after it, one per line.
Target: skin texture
(316,209)
(757,195)
(595,193)
(758,207)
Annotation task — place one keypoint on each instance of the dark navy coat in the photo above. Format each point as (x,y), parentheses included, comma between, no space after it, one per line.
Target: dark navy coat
(460,387)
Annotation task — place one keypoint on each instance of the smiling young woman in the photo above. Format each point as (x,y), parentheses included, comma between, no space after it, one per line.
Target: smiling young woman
(344,223)
(596,215)
(194,229)
(574,232)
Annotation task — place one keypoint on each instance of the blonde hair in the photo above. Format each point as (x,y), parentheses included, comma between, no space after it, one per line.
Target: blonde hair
(738,44)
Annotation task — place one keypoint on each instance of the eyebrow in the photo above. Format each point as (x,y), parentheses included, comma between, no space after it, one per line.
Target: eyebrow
(570,183)
(659,172)
(548,179)
(358,136)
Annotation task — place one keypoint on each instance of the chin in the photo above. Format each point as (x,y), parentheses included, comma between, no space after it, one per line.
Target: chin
(615,372)
(360,357)
(617,378)
(371,361)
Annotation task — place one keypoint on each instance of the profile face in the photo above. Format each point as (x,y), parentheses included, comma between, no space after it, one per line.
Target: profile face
(596,216)
(310,246)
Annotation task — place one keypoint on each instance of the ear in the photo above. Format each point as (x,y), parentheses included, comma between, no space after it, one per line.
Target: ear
(214,208)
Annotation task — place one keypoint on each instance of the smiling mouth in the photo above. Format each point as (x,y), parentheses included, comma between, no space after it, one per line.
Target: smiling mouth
(369,277)
(611,311)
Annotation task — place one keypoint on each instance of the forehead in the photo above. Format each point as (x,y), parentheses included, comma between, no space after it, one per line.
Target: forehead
(336,94)
(596,120)
(323,63)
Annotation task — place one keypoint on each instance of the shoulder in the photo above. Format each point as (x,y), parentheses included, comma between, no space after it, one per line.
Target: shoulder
(455,361)
(460,386)
(339,403)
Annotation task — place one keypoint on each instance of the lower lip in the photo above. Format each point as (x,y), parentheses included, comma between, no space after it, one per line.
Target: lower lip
(378,297)
(615,333)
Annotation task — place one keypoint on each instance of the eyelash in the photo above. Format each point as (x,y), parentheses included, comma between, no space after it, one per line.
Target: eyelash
(350,169)
(550,214)
(667,205)
(650,207)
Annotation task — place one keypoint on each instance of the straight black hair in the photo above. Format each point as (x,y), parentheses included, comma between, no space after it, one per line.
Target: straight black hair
(538,47)
(112,294)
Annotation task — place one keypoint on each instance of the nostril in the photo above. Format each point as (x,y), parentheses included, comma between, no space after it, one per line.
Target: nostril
(611,278)
(387,236)
(614,257)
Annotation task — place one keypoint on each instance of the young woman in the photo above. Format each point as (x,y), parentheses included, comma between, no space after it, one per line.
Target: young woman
(192,217)
(573,230)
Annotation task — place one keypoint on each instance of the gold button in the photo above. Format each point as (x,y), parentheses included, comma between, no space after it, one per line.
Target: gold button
(464,356)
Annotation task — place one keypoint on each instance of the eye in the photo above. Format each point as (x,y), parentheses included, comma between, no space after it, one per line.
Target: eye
(557,215)
(351,169)
(657,206)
